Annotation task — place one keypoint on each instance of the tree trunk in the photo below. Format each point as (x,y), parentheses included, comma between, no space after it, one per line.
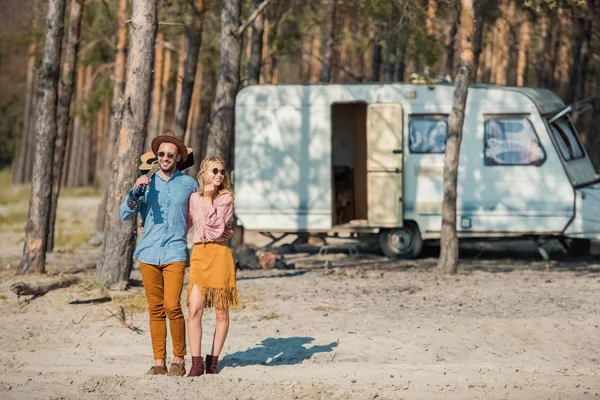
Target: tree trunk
(164,92)
(180,74)
(65,89)
(115,122)
(255,59)
(593,142)
(85,152)
(31,137)
(264,73)
(543,53)
(195,107)
(376,62)
(315,51)
(191,63)
(448,261)
(449,72)
(36,232)
(221,128)
(19,169)
(400,62)
(503,27)
(431,12)
(478,38)
(74,146)
(327,33)
(114,267)
(523,47)
(581,56)
(156,90)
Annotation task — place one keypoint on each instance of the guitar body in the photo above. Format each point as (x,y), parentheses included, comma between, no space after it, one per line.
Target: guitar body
(150,159)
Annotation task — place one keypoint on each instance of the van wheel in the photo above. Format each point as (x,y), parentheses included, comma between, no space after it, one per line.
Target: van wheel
(401,243)
(580,247)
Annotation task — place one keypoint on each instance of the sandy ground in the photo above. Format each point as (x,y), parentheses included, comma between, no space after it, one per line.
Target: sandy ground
(508,326)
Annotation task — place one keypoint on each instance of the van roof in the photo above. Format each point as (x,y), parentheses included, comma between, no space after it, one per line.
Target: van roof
(545,100)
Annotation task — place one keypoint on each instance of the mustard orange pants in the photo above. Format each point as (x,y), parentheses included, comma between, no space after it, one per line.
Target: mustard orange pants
(163,285)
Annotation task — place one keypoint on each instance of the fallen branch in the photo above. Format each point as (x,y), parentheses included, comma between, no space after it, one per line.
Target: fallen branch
(24,289)
(123,321)
(96,300)
(77,323)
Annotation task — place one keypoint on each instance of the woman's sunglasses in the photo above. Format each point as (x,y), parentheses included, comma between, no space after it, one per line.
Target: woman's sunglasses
(215,171)
(161,154)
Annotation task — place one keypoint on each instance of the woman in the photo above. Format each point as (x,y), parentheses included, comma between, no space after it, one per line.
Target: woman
(212,269)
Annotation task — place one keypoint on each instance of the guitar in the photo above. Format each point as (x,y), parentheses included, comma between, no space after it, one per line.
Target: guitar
(149,163)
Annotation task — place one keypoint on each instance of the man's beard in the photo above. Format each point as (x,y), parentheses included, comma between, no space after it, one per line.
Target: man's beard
(171,169)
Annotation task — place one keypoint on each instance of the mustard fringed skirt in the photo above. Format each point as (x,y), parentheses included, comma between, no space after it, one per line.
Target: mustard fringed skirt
(212,270)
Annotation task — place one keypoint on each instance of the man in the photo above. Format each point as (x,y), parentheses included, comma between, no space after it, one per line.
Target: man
(162,202)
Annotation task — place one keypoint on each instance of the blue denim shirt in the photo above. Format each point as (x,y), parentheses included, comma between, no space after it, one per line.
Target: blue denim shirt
(164,211)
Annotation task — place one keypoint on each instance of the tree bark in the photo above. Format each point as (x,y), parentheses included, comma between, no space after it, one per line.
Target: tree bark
(180,74)
(31,137)
(450,51)
(593,142)
(75,143)
(191,63)
(328,30)
(36,232)
(65,91)
(194,109)
(156,90)
(84,155)
(376,62)
(164,92)
(115,122)
(478,35)
(19,169)
(221,128)
(255,59)
(523,47)
(431,13)
(115,265)
(543,53)
(581,55)
(37,290)
(448,261)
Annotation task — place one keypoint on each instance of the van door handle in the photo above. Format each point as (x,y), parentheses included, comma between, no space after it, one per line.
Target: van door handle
(397,151)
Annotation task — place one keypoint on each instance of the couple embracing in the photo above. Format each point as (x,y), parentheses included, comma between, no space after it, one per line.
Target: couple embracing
(169,203)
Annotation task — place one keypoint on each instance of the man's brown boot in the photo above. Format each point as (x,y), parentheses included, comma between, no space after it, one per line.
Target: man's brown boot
(157,370)
(197,367)
(211,364)
(177,369)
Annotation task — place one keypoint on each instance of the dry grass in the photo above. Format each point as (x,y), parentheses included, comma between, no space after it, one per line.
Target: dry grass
(269,317)
(135,303)
(63,240)
(13,217)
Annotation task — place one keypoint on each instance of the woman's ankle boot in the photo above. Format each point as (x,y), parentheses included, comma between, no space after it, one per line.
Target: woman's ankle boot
(211,364)
(197,367)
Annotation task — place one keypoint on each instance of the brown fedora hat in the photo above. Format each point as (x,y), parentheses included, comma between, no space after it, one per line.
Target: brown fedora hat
(157,141)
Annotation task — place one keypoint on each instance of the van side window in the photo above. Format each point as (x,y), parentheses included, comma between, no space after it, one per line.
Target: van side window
(511,141)
(427,134)
(566,139)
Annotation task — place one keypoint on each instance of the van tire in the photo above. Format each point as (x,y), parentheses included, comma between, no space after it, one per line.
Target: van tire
(579,247)
(401,243)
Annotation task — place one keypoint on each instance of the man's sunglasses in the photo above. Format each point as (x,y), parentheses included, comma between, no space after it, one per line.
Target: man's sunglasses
(161,154)
(215,171)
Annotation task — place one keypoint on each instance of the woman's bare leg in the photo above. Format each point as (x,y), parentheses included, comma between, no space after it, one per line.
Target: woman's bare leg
(221,328)
(196,310)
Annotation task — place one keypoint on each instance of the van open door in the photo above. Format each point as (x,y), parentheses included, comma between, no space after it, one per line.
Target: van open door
(384,165)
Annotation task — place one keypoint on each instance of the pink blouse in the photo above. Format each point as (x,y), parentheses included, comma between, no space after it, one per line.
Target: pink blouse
(210,221)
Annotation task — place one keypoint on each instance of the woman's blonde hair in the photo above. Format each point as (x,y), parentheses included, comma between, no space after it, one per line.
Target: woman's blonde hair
(224,187)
